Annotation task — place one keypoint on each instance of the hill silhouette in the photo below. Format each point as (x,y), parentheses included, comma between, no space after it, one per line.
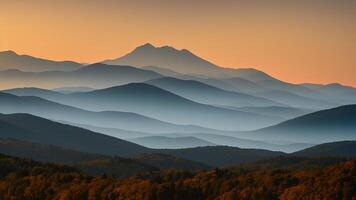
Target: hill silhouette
(39,130)
(12,60)
(335,149)
(322,126)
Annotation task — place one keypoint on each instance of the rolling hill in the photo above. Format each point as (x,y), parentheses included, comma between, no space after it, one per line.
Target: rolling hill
(32,129)
(322,126)
(160,104)
(207,94)
(88,163)
(332,149)
(247,143)
(39,130)
(222,156)
(109,119)
(96,164)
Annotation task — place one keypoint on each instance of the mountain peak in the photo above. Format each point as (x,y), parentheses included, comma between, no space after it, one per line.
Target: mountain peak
(146,46)
(149,46)
(182,61)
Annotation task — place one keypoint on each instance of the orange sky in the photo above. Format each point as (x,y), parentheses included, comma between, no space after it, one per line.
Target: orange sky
(294,40)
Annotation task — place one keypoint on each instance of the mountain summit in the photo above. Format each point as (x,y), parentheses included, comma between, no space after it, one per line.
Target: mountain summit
(182,61)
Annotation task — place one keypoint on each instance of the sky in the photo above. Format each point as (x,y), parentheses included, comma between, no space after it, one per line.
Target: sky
(294,40)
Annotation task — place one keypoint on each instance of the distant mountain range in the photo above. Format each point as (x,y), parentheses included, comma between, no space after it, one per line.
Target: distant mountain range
(157,103)
(160,104)
(111,119)
(165,120)
(155,91)
(322,126)
(157,62)
(12,60)
(95,76)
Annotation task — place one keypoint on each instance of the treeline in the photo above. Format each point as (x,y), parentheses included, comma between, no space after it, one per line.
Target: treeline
(27,180)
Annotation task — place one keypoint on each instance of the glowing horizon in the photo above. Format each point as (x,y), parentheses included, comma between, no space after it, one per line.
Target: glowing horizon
(295,41)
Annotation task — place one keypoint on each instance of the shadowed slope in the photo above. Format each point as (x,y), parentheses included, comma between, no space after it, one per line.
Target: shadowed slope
(321,126)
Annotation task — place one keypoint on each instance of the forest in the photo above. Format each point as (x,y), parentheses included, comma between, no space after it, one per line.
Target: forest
(323,178)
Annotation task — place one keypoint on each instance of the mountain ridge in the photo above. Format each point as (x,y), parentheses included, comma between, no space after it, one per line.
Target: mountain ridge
(11,60)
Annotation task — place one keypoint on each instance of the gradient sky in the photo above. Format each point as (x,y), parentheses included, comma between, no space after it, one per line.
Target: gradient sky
(294,40)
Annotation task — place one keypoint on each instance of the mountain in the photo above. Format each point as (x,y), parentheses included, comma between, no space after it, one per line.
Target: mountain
(96,76)
(312,96)
(332,149)
(175,63)
(215,96)
(160,104)
(88,163)
(222,155)
(39,130)
(167,142)
(96,164)
(12,60)
(182,61)
(207,94)
(322,126)
(44,152)
(292,95)
(110,119)
(246,143)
